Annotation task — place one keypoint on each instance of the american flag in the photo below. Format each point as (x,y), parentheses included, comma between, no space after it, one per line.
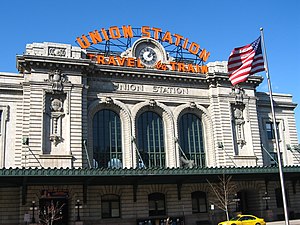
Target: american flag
(245,61)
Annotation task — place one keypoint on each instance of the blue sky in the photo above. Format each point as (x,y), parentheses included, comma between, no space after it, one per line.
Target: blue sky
(218,26)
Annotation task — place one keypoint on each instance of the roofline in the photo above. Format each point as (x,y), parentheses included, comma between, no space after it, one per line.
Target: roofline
(7,172)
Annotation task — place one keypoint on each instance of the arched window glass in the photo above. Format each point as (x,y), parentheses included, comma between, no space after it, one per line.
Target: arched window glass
(156,204)
(151,140)
(191,138)
(107,139)
(110,206)
(199,203)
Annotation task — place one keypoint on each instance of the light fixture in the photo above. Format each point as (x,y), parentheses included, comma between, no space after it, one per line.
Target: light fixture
(33,208)
(220,144)
(78,206)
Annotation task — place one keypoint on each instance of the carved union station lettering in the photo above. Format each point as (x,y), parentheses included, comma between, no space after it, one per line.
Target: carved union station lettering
(154,89)
(129,87)
(170,90)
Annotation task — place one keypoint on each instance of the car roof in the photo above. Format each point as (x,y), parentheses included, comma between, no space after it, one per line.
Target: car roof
(246,215)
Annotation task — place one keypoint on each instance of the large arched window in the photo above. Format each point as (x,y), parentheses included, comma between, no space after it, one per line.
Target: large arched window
(151,140)
(191,138)
(107,149)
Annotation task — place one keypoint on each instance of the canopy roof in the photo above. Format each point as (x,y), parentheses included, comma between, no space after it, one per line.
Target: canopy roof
(104,176)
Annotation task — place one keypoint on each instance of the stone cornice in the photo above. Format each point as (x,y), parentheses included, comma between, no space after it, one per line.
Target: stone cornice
(30,62)
(277,104)
(218,79)
(11,87)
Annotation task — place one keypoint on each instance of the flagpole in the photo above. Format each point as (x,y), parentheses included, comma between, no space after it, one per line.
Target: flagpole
(286,216)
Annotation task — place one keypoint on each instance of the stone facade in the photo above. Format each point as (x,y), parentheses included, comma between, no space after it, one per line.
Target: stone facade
(47,115)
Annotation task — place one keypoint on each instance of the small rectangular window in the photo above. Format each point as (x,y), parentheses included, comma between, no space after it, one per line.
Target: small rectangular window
(199,202)
(156,204)
(274,158)
(110,206)
(270,130)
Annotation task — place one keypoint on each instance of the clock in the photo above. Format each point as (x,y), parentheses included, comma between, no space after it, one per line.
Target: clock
(148,56)
(148,51)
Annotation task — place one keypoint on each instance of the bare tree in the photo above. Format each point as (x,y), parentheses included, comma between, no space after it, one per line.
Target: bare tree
(51,213)
(223,191)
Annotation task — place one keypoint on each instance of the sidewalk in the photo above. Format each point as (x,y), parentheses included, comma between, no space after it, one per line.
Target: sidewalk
(292,222)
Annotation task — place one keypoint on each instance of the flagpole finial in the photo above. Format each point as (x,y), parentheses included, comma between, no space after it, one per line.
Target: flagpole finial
(261,29)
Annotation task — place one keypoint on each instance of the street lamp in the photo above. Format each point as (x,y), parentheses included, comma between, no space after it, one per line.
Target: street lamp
(236,200)
(266,197)
(33,208)
(78,206)
(212,208)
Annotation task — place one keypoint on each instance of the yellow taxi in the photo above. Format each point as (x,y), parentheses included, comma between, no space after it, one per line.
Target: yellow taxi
(244,220)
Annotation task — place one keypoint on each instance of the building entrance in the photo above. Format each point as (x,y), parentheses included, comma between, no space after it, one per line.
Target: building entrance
(55,209)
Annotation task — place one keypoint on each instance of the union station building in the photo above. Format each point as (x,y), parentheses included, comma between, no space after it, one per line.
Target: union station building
(135,134)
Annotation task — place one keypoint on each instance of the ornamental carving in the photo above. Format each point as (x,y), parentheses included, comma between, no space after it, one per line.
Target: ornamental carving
(56,105)
(57,114)
(192,105)
(152,102)
(238,121)
(108,100)
(54,51)
(239,94)
(56,78)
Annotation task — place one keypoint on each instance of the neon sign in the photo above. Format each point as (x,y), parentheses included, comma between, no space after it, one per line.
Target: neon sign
(114,32)
(104,36)
(132,62)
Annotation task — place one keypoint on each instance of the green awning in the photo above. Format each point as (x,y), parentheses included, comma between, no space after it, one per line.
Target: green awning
(104,176)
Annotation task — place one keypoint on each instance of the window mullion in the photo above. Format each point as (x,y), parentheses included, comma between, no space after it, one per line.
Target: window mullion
(189,140)
(199,153)
(153,122)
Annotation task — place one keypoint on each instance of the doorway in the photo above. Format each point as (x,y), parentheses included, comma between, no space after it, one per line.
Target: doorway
(249,201)
(54,206)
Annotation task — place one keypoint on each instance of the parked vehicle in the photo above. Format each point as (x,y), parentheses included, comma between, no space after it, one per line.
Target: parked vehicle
(244,220)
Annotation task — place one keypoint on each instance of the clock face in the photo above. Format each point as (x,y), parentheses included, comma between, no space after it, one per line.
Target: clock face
(148,56)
